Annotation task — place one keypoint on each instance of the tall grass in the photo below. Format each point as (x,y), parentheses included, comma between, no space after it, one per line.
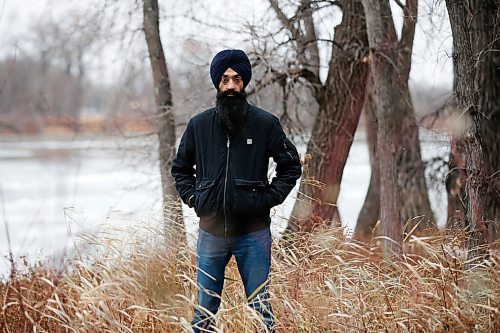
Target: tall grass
(320,282)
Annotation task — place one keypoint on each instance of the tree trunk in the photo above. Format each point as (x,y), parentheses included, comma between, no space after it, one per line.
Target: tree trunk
(172,209)
(415,211)
(79,94)
(370,212)
(488,79)
(340,104)
(455,187)
(476,60)
(383,43)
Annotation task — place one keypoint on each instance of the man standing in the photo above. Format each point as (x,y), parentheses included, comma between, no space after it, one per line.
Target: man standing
(230,146)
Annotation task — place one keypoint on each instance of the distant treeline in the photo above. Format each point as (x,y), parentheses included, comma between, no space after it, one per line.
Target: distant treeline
(37,97)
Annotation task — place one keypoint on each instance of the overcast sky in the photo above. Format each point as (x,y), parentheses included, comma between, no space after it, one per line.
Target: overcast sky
(431,64)
(15,16)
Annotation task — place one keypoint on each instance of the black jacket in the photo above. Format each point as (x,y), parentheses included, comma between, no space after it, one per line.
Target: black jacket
(229,188)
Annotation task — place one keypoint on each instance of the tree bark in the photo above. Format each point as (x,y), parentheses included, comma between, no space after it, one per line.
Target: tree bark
(415,210)
(476,59)
(370,212)
(340,103)
(383,43)
(455,187)
(172,209)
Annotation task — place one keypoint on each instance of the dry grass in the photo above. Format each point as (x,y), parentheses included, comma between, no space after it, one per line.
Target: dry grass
(320,283)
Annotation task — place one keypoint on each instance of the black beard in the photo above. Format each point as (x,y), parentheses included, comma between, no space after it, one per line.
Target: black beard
(232,110)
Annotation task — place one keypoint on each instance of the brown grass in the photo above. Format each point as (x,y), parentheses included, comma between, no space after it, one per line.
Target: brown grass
(320,283)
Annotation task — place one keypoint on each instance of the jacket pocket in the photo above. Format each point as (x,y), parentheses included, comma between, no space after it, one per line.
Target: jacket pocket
(249,197)
(204,201)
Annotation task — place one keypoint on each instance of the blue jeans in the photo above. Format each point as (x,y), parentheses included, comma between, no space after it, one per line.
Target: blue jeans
(253,258)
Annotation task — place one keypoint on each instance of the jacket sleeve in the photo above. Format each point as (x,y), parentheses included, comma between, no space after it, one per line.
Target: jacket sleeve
(183,166)
(288,167)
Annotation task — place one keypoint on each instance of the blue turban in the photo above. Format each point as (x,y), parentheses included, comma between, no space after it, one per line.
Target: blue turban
(237,60)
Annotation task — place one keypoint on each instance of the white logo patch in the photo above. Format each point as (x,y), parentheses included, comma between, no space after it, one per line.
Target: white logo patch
(249,141)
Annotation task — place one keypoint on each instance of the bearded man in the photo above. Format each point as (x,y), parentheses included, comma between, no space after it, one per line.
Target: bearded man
(221,171)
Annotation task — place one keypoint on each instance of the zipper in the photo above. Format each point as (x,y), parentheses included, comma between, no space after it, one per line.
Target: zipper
(225,186)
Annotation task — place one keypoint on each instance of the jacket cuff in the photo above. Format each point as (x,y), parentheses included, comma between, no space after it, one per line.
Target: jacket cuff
(272,199)
(190,201)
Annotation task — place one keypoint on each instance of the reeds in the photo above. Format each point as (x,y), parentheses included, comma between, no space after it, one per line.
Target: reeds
(320,282)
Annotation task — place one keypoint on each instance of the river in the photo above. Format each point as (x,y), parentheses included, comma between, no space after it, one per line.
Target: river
(53,191)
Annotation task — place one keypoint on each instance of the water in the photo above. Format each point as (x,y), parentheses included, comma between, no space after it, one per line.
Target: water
(53,191)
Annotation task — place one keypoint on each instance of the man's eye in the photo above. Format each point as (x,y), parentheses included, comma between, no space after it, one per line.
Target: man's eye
(237,80)
(225,80)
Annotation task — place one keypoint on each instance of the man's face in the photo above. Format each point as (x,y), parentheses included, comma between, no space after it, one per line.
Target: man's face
(231,80)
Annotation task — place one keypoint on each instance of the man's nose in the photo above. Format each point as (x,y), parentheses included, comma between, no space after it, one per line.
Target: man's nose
(230,84)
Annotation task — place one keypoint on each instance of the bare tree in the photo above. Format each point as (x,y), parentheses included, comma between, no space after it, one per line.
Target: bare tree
(166,127)
(339,99)
(383,43)
(476,59)
(67,43)
(414,207)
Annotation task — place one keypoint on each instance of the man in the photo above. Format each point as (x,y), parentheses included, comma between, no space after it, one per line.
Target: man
(230,146)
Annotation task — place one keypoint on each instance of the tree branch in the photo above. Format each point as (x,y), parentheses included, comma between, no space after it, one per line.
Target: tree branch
(306,42)
(405,44)
(329,2)
(310,76)
(267,80)
(310,37)
(284,19)
(400,4)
